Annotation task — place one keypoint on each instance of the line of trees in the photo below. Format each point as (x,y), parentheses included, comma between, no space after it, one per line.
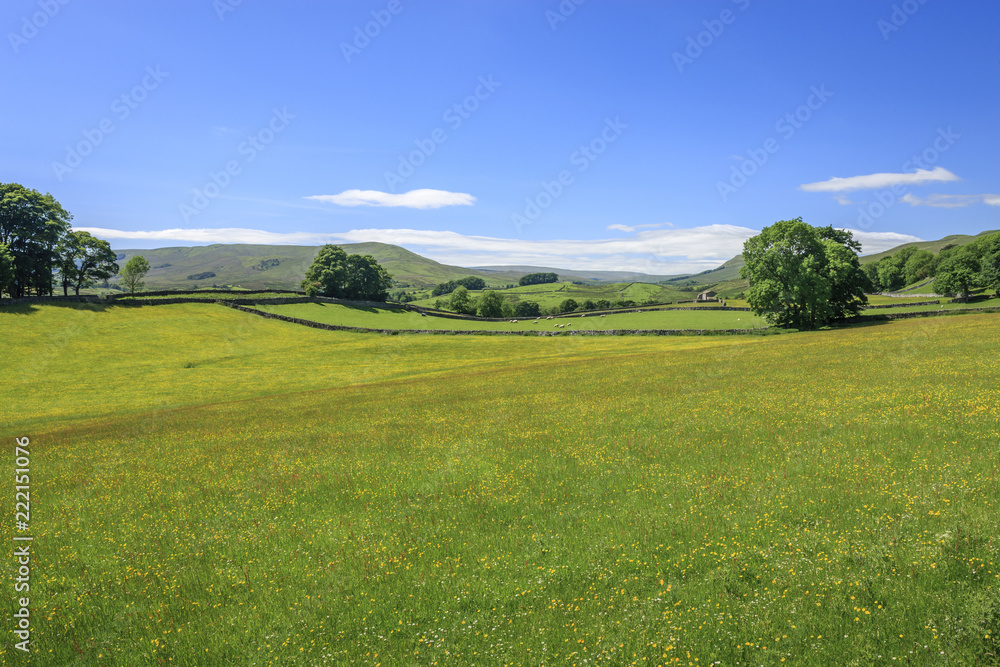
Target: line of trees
(957,270)
(492,303)
(39,249)
(538,279)
(469,283)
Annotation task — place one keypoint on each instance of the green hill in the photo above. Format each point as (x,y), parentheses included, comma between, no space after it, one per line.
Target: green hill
(284,267)
(727,282)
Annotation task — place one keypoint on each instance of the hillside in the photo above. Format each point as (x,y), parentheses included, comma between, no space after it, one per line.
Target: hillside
(283,266)
(578,274)
(726,279)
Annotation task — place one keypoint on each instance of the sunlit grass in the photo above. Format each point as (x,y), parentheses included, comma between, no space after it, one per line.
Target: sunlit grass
(329,498)
(400,319)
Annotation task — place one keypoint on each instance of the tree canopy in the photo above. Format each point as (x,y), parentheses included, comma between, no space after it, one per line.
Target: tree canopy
(31,226)
(84,260)
(469,282)
(803,276)
(132,273)
(538,279)
(336,274)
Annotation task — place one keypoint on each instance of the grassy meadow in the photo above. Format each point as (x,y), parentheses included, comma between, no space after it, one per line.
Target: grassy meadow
(548,295)
(214,488)
(379,318)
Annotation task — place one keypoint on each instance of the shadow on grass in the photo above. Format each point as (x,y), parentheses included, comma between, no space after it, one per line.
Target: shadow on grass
(357,307)
(32,308)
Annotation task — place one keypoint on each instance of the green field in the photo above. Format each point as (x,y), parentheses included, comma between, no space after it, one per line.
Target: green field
(377,318)
(552,294)
(210,487)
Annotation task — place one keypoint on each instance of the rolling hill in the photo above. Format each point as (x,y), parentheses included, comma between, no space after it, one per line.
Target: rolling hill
(284,266)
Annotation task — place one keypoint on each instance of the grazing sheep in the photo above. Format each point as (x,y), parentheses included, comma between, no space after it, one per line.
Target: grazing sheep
(603,315)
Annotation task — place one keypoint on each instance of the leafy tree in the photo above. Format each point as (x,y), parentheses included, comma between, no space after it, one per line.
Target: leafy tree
(568,306)
(469,282)
(890,275)
(802,276)
(871,272)
(328,272)
(132,274)
(919,266)
(6,270)
(461,302)
(84,260)
(336,274)
(958,274)
(990,264)
(527,309)
(491,304)
(472,282)
(367,280)
(538,279)
(602,304)
(589,304)
(31,225)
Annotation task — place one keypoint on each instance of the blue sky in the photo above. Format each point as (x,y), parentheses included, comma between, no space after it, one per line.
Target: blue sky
(635,135)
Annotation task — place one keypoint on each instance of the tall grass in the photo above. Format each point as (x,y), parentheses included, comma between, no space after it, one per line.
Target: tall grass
(824,498)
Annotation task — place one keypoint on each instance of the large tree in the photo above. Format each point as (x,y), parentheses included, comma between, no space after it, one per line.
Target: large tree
(491,304)
(803,276)
(990,263)
(958,274)
(132,274)
(461,302)
(31,225)
(336,274)
(367,280)
(84,260)
(6,270)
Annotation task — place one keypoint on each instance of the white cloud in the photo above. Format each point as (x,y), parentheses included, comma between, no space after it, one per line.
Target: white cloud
(422,199)
(951,201)
(883,180)
(842,200)
(634,228)
(660,252)
(876,242)
(220,235)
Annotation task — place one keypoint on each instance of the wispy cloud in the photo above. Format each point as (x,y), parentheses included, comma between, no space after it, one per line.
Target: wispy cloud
(635,228)
(951,201)
(422,199)
(659,252)
(875,242)
(882,180)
